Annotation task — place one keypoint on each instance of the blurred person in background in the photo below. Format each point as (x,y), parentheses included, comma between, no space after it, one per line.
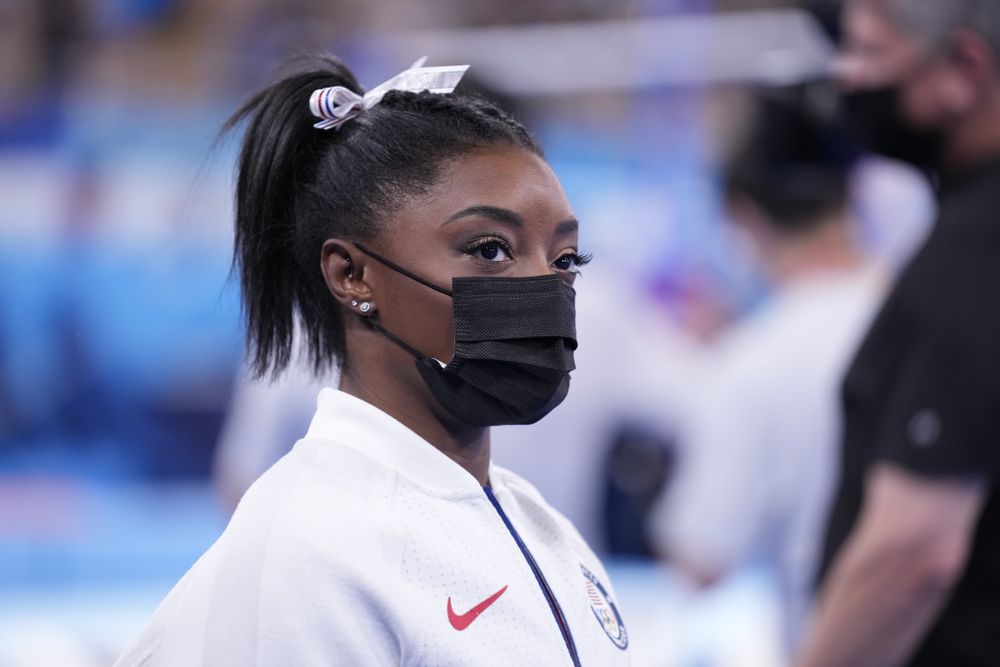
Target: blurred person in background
(407,226)
(759,451)
(910,563)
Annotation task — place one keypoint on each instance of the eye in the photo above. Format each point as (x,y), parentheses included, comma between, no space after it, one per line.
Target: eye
(490,250)
(572,261)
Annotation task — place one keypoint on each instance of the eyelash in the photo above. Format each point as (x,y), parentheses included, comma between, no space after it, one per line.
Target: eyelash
(472,247)
(579,259)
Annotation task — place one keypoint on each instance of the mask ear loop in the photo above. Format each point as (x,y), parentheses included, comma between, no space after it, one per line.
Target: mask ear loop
(398,269)
(373,319)
(375,324)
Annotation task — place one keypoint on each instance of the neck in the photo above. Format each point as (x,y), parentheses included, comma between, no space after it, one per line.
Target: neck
(829,247)
(373,375)
(977,138)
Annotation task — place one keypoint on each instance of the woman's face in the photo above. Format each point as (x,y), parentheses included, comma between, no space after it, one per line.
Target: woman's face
(499,212)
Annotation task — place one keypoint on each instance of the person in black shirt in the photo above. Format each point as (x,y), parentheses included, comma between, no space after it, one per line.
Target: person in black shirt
(912,555)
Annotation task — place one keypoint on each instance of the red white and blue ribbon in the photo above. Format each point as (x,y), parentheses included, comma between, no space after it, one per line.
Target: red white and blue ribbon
(336,104)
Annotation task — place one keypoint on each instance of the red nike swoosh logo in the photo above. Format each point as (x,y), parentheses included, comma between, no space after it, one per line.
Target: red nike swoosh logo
(461,621)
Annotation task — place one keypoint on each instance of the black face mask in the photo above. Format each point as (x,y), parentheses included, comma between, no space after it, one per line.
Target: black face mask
(875,118)
(514,342)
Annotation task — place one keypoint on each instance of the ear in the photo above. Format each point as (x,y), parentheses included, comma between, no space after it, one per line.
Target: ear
(343,269)
(974,66)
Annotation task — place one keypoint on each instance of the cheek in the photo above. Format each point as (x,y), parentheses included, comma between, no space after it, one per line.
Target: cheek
(439,329)
(926,101)
(960,96)
(421,317)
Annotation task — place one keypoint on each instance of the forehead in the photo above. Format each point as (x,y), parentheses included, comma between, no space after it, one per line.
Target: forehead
(514,179)
(870,22)
(873,40)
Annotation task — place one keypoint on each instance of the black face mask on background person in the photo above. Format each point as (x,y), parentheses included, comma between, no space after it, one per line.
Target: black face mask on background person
(875,118)
(514,343)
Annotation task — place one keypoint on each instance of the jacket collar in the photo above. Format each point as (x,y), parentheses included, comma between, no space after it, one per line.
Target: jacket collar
(354,423)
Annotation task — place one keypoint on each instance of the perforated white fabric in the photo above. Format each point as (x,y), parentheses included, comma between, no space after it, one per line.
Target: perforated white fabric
(348,550)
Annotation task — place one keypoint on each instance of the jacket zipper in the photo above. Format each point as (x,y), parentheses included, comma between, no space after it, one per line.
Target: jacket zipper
(544,585)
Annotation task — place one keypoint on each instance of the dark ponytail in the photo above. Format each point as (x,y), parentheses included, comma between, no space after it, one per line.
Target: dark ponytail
(279,148)
(298,186)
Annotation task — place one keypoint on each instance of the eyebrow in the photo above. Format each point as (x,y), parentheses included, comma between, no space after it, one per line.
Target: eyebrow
(565,227)
(503,215)
(508,217)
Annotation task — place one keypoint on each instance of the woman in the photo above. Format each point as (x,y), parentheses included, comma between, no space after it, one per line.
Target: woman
(402,226)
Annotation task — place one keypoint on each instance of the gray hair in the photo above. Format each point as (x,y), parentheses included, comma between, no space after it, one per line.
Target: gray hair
(934,21)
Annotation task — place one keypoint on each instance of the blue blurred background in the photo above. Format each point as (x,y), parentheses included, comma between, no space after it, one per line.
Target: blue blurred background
(120,334)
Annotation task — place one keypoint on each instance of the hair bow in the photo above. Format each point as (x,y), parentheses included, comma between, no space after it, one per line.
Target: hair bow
(338,104)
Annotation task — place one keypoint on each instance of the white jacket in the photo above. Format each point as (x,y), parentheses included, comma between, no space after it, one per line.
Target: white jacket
(365,545)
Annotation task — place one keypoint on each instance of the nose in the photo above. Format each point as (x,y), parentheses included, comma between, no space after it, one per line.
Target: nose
(537,263)
(536,268)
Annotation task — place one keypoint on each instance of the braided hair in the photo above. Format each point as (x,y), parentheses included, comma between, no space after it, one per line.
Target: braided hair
(298,186)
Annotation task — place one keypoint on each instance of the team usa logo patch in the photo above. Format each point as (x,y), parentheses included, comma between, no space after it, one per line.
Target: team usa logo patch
(605,610)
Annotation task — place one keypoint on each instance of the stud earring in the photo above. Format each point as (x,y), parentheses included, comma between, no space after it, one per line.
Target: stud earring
(365,306)
(354,303)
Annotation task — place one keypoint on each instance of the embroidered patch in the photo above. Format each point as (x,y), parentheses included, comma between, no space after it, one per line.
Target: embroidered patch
(605,610)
